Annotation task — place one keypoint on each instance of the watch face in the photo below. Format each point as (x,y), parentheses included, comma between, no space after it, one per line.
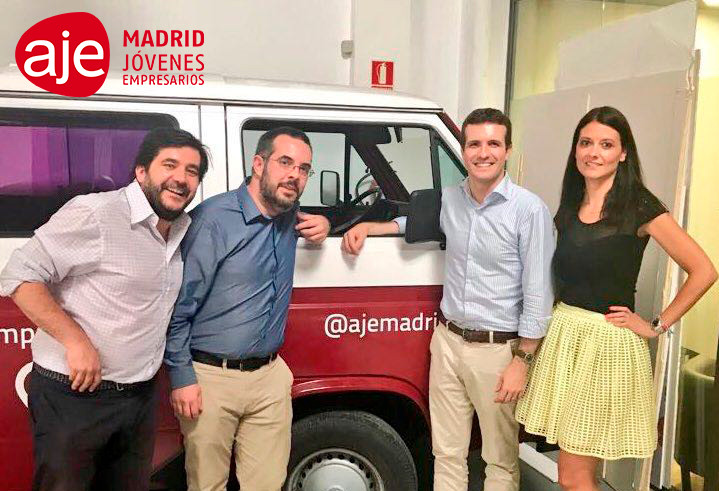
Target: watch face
(527,357)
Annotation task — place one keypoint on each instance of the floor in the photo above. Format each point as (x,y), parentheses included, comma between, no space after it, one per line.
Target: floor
(697,482)
(531,480)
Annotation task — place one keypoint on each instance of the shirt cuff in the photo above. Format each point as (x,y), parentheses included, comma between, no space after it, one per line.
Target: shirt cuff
(401,223)
(8,287)
(27,264)
(21,269)
(182,376)
(534,328)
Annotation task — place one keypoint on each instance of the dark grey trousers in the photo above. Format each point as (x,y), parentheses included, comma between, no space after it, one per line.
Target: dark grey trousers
(91,441)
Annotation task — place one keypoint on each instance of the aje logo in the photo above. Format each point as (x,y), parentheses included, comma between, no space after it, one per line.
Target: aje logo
(68,54)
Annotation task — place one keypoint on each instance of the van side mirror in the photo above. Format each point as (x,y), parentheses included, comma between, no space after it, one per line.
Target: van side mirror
(423,217)
(329,188)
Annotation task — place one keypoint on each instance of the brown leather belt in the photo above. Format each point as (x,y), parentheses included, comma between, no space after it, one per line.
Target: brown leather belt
(476,335)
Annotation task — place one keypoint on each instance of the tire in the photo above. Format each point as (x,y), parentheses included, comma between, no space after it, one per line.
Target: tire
(348,451)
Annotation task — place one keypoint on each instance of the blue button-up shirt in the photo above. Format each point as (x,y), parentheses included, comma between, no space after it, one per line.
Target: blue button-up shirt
(237,283)
(498,259)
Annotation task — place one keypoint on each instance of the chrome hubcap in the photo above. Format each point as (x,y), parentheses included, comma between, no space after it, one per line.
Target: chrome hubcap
(335,469)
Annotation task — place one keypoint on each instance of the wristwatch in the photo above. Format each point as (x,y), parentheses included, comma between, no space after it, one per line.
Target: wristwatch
(658,326)
(527,358)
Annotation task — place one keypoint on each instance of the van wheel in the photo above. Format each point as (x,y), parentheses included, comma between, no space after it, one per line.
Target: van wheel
(348,451)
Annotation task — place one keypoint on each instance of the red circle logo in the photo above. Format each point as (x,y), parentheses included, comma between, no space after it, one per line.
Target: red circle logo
(67,54)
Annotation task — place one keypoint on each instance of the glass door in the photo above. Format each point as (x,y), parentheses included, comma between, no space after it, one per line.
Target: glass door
(570,56)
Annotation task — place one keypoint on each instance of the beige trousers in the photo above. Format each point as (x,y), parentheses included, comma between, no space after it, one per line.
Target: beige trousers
(462,379)
(250,410)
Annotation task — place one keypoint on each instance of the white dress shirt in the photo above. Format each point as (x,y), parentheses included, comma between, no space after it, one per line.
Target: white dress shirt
(109,268)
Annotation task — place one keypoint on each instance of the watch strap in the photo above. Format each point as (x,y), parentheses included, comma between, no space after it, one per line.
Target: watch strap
(658,325)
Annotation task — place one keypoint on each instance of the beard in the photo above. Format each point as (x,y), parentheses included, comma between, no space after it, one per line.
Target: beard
(152,193)
(270,196)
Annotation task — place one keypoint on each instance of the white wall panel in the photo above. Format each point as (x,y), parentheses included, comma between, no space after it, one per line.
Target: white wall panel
(272,39)
(451,51)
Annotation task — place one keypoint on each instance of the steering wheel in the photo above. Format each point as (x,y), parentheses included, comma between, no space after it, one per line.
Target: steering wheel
(362,196)
(371,209)
(361,180)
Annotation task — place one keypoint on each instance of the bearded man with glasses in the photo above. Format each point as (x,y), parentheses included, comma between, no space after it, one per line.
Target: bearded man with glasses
(230,387)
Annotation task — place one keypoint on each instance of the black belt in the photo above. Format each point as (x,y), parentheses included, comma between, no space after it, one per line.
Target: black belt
(244,365)
(476,335)
(104,384)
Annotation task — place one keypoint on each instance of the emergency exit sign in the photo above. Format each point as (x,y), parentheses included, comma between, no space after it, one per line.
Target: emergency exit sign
(383,74)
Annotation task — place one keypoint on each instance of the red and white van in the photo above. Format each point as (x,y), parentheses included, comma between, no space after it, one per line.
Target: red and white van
(359,327)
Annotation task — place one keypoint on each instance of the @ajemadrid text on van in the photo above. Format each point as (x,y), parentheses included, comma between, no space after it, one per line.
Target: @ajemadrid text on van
(163,57)
(338,325)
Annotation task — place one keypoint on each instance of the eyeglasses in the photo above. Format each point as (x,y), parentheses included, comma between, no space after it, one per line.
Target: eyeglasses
(288,165)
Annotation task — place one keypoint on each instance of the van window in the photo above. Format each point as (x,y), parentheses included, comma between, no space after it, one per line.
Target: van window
(450,170)
(377,165)
(328,154)
(49,157)
(408,153)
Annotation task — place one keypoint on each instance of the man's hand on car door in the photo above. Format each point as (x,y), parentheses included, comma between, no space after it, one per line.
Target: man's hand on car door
(313,228)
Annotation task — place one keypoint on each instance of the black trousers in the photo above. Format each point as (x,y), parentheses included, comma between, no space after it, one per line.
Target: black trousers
(91,441)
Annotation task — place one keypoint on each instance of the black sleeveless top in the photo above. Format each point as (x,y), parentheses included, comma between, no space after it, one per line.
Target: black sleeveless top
(596,265)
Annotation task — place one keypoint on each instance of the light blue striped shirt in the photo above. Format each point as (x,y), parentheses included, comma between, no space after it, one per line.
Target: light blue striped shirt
(498,260)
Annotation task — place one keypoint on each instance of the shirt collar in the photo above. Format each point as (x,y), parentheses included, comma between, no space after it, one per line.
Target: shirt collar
(247,205)
(249,208)
(503,189)
(140,209)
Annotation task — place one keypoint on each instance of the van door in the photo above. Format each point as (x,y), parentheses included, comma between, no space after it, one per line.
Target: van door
(358,311)
(53,150)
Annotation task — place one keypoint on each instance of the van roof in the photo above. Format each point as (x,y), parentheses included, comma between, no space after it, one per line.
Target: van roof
(230,89)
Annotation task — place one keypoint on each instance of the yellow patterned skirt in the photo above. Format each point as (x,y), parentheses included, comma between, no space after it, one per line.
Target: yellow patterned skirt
(590,388)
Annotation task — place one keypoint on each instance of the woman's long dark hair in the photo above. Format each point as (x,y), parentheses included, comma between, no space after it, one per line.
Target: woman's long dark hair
(622,200)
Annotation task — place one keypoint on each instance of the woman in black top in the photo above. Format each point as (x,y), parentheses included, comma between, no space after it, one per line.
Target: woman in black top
(591,387)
